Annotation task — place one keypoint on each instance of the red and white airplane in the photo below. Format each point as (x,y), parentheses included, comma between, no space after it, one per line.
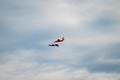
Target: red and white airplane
(59,40)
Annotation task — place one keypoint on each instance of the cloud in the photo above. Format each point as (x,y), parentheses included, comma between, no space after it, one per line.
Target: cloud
(91,46)
(34,15)
(20,67)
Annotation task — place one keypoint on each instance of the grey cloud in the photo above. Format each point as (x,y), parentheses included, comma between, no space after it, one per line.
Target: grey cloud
(104,67)
(91,40)
(101,59)
(112,51)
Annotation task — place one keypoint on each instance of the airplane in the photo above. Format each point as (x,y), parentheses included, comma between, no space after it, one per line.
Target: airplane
(59,40)
(57,45)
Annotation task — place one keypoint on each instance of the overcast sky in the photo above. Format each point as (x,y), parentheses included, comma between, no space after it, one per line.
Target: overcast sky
(91,50)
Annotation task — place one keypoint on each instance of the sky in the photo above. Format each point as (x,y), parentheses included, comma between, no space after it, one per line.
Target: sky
(90,51)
